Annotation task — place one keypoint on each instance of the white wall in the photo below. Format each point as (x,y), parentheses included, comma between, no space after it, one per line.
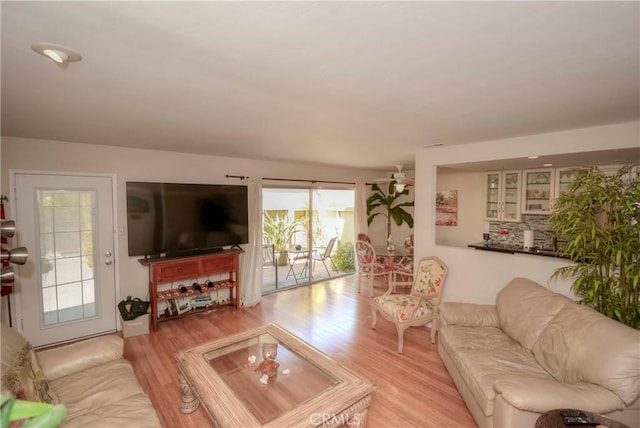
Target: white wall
(477,276)
(147,165)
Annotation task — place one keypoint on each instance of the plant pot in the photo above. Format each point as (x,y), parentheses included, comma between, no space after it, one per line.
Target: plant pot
(283,260)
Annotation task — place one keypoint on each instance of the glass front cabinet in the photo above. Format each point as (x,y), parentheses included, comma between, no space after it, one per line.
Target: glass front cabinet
(502,195)
(564,177)
(537,191)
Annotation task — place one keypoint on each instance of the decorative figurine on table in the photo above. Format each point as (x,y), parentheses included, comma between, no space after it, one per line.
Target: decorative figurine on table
(391,247)
(269,366)
(408,244)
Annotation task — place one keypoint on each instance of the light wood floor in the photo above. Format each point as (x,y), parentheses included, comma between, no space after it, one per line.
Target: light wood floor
(413,389)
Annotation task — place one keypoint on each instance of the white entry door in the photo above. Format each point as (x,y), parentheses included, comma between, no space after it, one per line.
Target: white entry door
(67,287)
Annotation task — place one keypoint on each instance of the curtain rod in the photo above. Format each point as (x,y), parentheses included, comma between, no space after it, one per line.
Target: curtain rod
(242,177)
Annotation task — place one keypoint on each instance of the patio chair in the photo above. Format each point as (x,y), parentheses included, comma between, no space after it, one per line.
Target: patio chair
(369,266)
(269,255)
(417,308)
(316,255)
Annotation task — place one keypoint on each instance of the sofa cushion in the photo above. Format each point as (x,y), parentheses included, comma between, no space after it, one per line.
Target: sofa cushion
(135,412)
(525,308)
(75,357)
(543,394)
(468,314)
(105,395)
(404,307)
(484,355)
(583,345)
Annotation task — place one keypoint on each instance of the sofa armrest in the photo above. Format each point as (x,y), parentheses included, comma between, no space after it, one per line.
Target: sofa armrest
(540,395)
(468,315)
(79,356)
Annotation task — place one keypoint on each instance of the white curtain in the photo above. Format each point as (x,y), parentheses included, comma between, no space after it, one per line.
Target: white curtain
(251,260)
(361,209)
(360,212)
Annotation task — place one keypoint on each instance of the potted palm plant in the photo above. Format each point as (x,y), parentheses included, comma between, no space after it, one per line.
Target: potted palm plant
(599,218)
(279,229)
(388,205)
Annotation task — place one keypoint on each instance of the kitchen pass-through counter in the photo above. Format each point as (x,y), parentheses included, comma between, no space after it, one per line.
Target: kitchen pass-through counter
(513,249)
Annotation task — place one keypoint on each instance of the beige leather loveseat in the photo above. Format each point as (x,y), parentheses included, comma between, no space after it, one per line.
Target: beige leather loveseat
(91,378)
(536,350)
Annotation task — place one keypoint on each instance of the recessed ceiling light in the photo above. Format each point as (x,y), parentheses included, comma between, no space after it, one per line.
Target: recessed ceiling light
(547,164)
(57,53)
(533,157)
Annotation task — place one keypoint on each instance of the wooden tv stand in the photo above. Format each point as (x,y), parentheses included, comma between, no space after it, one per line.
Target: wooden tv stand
(225,265)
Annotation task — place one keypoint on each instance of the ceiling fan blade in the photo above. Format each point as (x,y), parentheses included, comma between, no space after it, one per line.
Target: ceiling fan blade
(406,180)
(398,177)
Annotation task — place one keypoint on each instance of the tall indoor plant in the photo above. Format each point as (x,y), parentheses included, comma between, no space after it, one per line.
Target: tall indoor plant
(387,204)
(599,217)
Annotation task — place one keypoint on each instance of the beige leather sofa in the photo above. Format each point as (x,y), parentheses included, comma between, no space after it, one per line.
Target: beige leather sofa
(536,350)
(91,378)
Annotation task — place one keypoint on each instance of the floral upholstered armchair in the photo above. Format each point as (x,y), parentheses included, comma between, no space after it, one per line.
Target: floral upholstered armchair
(417,308)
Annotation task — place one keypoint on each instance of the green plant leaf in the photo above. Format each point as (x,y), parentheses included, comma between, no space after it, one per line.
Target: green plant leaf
(597,219)
(51,418)
(279,229)
(28,409)
(388,205)
(7,402)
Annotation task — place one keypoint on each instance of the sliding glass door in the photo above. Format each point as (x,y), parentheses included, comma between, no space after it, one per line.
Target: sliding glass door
(308,235)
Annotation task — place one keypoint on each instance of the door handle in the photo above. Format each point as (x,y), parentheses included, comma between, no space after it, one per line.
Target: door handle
(108,254)
(108,262)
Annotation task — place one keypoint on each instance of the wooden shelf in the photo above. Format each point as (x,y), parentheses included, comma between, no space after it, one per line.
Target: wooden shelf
(215,306)
(225,265)
(175,293)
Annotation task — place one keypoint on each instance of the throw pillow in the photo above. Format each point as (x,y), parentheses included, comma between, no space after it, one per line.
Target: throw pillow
(25,379)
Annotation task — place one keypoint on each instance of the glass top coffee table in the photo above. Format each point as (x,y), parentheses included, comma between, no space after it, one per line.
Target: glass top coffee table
(267,377)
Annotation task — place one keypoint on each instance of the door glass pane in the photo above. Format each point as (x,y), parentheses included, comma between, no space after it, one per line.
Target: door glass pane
(66,241)
(566,177)
(333,219)
(285,226)
(537,191)
(320,243)
(492,195)
(511,197)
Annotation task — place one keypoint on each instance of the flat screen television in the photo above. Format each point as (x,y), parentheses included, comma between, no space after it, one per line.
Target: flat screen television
(173,219)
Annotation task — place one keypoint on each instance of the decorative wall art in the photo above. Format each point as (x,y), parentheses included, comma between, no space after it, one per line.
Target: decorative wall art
(447,208)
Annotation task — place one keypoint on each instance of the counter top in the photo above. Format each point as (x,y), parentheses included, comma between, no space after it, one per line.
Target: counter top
(513,249)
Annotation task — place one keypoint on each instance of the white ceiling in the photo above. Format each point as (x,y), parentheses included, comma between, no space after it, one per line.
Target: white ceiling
(361,84)
(569,160)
